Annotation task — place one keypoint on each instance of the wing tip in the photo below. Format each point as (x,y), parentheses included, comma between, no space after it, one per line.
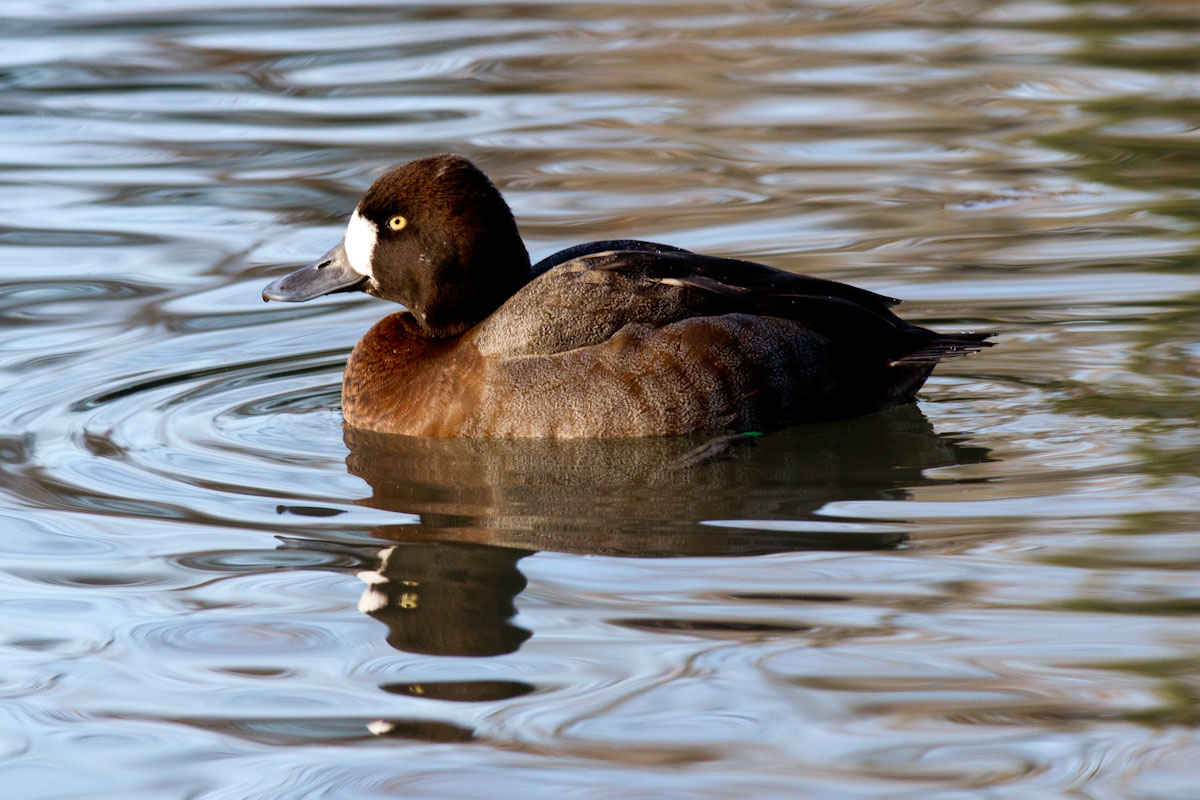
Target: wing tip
(946,346)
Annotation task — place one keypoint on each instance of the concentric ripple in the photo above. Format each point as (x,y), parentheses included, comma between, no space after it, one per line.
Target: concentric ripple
(262,429)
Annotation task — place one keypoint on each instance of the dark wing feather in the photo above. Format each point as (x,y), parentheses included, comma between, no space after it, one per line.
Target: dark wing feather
(608,245)
(826,306)
(757,278)
(947,345)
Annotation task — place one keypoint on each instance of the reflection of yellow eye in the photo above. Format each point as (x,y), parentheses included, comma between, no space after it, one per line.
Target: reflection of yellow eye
(397,222)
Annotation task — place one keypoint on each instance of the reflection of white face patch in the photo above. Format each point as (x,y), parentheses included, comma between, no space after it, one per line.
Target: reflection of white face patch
(360,243)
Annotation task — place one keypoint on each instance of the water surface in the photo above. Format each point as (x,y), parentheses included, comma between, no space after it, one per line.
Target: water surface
(210,590)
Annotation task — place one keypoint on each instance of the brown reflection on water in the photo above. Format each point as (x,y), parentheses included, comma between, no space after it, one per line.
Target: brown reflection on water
(646,497)
(447,583)
(447,599)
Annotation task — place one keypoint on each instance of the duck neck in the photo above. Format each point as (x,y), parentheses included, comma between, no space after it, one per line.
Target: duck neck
(470,287)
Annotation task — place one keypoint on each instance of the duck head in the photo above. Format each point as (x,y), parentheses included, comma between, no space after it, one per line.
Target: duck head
(434,235)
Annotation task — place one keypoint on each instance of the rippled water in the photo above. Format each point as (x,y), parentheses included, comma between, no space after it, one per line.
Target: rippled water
(210,591)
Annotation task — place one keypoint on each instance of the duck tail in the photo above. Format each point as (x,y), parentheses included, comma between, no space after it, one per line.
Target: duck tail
(947,345)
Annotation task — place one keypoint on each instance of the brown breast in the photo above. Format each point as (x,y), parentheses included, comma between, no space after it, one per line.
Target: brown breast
(398,381)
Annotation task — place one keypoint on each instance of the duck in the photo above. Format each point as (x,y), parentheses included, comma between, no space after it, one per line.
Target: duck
(608,339)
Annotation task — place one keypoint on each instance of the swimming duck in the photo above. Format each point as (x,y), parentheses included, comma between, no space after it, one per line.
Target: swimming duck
(619,338)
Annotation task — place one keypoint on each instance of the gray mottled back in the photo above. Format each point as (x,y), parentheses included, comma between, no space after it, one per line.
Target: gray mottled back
(574,305)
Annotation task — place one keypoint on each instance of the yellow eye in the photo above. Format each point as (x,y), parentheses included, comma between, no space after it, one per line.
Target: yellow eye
(397,223)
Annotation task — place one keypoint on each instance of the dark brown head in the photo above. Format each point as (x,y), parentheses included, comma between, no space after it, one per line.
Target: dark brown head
(433,234)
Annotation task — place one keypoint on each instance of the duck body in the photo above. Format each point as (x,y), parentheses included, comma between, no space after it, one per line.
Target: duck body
(608,339)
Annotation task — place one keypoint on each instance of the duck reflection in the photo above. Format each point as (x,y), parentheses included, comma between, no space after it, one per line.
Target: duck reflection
(446,585)
(446,599)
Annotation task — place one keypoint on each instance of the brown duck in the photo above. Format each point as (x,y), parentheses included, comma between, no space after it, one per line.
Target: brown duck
(606,339)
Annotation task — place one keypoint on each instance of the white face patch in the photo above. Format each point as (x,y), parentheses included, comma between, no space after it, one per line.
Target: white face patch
(360,243)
